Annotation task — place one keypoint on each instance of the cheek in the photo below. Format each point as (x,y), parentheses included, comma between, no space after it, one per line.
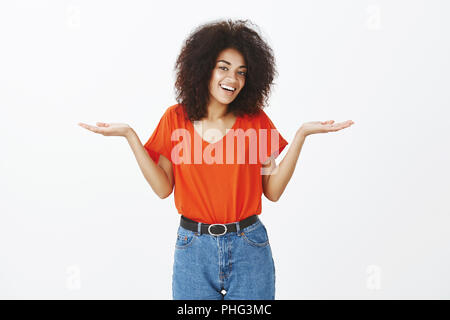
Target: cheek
(214,82)
(216,75)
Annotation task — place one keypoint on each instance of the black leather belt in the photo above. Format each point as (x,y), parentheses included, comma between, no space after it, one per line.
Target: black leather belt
(217,229)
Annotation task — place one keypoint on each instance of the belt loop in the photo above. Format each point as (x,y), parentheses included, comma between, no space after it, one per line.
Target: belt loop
(199,228)
(237,227)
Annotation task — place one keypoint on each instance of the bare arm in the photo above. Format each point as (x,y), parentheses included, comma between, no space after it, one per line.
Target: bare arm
(276,178)
(159,176)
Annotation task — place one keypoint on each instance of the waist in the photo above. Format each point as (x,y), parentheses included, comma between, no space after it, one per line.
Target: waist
(217,229)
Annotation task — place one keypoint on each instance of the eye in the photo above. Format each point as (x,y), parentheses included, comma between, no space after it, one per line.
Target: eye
(241,72)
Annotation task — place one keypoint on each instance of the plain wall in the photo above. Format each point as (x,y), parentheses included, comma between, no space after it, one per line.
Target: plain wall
(365,215)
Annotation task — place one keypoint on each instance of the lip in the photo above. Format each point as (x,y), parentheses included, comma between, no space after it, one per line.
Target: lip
(228,93)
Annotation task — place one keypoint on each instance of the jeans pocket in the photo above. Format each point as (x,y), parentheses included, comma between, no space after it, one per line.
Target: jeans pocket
(256,235)
(185,238)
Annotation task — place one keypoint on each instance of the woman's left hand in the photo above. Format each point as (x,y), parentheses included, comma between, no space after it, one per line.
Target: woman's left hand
(322,127)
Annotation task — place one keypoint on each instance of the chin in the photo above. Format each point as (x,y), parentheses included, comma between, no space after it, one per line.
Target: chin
(224,101)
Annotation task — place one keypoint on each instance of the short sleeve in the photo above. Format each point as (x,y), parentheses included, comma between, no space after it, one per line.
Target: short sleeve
(274,142)
(160,142)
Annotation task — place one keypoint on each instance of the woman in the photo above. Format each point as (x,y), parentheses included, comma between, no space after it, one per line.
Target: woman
(224,75)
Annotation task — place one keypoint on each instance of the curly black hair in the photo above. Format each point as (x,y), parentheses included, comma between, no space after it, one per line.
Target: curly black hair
(197,60)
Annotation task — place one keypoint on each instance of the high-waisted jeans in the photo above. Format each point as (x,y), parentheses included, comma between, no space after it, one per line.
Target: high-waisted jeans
(234,266)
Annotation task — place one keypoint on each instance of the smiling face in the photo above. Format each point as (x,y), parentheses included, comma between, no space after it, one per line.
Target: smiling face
(229,72)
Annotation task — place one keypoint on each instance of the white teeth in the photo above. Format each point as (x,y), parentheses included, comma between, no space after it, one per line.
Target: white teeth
(227,87)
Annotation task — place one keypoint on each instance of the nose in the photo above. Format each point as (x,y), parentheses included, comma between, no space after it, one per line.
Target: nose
(233,78)
(232,81)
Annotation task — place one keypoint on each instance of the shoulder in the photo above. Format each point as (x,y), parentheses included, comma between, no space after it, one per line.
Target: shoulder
(259,119)
(174,112)
(174,117)
(262,120)
(259,115)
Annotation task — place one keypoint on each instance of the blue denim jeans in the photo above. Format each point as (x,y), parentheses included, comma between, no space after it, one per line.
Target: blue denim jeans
(238,263)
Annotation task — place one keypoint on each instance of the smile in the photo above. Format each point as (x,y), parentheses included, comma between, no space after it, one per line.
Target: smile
(227,88)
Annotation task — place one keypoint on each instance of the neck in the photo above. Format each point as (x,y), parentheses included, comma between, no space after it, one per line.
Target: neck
(216,111)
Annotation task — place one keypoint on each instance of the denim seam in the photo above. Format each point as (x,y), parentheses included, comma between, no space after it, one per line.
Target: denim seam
(187,245)
(220,263)
(229,258)
(251,228)
(255,244)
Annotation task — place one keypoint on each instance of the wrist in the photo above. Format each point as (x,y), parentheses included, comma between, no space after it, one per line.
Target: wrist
(301,133)
(129,133)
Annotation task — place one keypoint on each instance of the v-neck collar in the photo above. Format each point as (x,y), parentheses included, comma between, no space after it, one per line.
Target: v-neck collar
(222,138)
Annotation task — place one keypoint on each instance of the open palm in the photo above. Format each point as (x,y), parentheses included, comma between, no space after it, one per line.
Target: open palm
(323,126)
(108,129)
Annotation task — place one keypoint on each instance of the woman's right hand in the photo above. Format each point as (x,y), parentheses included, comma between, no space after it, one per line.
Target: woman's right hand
(108,129)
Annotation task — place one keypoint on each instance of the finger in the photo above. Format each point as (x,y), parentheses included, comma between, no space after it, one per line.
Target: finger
(92,128)
(348,123)
(338,126)
(342,125)
(84,125)
(102,124)
(332,127)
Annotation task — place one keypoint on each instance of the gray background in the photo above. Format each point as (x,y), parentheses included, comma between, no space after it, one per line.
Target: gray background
(364,216)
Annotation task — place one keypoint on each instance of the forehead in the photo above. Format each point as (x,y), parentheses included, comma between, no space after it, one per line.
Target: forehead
(231,55)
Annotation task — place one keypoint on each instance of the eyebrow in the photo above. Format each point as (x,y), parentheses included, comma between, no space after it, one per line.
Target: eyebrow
(230,63)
